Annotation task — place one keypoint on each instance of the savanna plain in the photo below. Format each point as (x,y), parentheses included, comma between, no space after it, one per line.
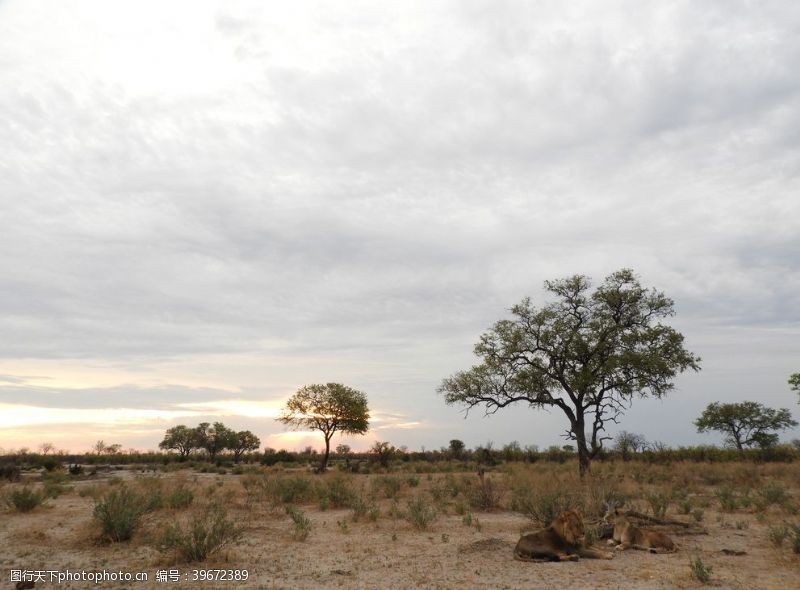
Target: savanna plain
(411,524)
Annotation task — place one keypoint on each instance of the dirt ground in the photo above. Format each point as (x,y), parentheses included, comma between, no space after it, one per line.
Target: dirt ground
(386,553)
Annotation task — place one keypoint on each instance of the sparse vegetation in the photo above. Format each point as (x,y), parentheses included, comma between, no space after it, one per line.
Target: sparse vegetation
(119,513)
(420,514)
(206,533)
(25,499)
(700,571)
(302,524)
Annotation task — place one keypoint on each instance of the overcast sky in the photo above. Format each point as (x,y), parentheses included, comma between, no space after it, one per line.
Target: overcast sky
(206,205)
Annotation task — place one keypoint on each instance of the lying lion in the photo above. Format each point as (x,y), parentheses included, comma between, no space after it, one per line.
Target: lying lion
(561,541)
(627,535)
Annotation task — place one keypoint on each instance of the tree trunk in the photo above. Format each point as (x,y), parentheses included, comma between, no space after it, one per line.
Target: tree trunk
(583,451)
(324,463)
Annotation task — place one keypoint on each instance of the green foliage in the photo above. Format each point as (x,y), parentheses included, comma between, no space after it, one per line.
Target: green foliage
(119,513)
(302,524)
(388,486)
(727,499)
(25,499)
(778,534)
(420,514)
(659,502)
(206,533)
(773,493)
(180,438)
(329,408)
(794,383)
(700,571)
(745,424)
(609,346)
(383,452)
(180,498)
(338,490)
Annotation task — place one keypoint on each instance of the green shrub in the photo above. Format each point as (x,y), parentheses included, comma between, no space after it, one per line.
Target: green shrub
(419,514)
(700,571)
(338,490)
(302,524)
(543,507)
(387,485)
(206,533)
(778,534)
(294,489)
(727,499)
(10,472)
(659,502)
(773,493)
(180,498)
(25,499)
(119,513)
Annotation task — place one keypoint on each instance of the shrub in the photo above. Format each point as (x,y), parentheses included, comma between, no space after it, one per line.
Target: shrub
(180,498)
(10,472)
(658,503)
(206,533)
(302,524)
(486,494)
(25,499)
(419,514)
(778,534)
(773,493)
(387,485)
(294,489)
(697,514)
(727,499)
(796,538)
(543,508)
(338,491)
(700,571)
(119,513)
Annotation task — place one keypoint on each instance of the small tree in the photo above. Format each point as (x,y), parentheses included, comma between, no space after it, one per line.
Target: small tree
(180,438)
(589,354)
(329,408)
(383,452)
(213,439)
(456,448)
(794,384)
(242,442)
(627,443)
(745,424)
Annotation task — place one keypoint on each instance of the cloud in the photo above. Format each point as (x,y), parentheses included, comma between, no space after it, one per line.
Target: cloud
(376,184)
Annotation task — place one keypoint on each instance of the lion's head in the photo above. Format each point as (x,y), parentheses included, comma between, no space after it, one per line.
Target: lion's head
(569,526)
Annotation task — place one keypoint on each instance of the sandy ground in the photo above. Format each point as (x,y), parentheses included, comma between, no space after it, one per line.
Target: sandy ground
(388,553)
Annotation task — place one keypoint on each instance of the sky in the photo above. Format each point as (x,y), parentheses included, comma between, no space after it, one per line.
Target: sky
(206,205)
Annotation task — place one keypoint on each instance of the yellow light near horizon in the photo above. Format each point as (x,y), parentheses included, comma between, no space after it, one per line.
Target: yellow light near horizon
(236,407)
(17,415)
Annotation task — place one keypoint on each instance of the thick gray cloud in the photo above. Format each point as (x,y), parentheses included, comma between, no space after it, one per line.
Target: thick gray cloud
(376,183)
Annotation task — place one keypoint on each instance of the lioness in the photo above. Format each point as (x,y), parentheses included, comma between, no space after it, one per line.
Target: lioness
(626,535)
(561,541)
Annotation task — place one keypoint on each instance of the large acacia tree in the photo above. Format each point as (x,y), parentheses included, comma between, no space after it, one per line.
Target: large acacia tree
(329,408)
(588,353)
(745,424)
